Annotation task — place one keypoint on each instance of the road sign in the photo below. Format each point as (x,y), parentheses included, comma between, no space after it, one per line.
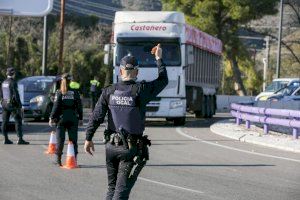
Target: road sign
(34,8)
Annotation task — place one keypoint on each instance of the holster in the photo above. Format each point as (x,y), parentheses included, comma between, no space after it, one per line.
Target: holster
(107,136)
(142,147)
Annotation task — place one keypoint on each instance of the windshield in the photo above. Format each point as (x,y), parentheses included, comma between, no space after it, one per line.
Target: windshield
(287,90)
(40,85)
(276,85)
(142,51)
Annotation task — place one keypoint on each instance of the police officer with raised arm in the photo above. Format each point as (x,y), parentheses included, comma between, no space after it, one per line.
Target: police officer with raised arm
(11,105)
(125,103)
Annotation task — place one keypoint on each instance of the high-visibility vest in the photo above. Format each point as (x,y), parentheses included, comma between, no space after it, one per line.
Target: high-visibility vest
(94,85)
(74,85)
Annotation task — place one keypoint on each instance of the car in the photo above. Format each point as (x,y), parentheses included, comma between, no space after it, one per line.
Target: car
(288,93)
(276,85)
(35,96)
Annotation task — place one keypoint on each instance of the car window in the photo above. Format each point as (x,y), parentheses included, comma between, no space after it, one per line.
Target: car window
(276,85)
(297,93)
(39,85)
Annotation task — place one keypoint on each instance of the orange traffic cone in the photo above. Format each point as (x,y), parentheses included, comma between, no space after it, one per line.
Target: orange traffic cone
(71,162)
(52,144)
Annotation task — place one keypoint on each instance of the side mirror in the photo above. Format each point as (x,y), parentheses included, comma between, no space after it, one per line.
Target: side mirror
(106,55)
(190,55)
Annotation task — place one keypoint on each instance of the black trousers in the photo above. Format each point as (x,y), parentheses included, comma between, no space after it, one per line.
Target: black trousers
(119,163)
(94,98)
(6,112)
(72,128)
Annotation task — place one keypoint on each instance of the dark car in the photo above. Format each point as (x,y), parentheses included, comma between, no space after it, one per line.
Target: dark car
(284,92)
(35,96)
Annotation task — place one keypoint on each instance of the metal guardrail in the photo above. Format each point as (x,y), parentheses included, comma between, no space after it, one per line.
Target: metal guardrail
(267,117)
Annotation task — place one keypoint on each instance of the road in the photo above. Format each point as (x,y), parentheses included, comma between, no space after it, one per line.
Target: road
(185,163)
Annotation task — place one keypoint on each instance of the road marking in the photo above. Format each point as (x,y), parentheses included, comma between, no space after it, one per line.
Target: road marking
(180,132)
(169,185)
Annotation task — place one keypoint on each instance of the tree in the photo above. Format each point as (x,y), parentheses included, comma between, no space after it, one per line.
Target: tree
(83,56)
(140,5)
(223,18)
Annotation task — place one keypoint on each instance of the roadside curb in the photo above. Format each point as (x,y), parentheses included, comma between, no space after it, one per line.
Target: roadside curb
(254,135)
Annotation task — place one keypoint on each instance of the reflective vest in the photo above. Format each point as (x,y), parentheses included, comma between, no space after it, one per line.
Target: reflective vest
(5,91)
(125,112)
(94,85)
(74,85)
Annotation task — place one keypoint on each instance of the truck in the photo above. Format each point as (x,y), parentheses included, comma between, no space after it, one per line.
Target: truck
(192,58)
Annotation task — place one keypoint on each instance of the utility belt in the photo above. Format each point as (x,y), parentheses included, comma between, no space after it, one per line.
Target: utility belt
(138,142)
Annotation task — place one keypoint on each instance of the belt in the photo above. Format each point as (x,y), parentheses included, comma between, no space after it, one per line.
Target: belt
(117,139)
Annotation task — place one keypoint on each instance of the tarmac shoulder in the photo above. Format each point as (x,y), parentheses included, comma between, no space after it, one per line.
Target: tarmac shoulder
(255,135)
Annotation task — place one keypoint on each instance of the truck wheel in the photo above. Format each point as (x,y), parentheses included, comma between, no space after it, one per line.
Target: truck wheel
(168,119)
(214,104)
(209,107)
(179,121)
(198,114)
(201,113)
(205,109)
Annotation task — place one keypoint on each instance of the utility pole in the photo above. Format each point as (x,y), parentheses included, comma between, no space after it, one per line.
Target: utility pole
(61,38)
(9,50)
(279,41)
(266,61)
(45,47)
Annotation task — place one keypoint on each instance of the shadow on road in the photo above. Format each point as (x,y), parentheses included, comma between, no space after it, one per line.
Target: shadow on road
(91,166)
(191,122)
(208,165)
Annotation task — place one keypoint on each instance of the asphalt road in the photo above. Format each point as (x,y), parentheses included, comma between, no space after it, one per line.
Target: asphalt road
(186,163)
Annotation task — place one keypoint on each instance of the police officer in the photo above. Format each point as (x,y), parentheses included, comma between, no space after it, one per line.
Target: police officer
(125,103)
(95,91)
(66,112)
(11,104)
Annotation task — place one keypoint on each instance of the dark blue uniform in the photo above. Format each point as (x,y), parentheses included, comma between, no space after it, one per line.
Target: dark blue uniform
(126,98)
(11,104)
(66,112)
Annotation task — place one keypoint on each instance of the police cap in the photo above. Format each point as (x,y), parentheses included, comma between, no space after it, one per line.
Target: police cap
(129,63)
(10,71)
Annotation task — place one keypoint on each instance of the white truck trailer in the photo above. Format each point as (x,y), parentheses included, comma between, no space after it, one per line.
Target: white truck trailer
(192,57)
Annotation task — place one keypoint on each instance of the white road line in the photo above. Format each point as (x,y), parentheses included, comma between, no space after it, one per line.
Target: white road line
(171,186)
(180,132)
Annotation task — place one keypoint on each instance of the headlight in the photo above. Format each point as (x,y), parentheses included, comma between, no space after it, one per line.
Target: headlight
(38,99)
(263,98)
(176,104)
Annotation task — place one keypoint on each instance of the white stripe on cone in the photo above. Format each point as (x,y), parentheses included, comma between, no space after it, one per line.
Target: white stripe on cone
(70,151)
(53,138)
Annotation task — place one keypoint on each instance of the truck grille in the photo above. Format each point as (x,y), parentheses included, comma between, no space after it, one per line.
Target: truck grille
(152,108)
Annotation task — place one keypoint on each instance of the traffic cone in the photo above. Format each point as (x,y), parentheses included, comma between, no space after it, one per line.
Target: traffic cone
(52,144)
(71,162)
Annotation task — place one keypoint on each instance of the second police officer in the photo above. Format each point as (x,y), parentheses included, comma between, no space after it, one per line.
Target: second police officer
(125,104)
(11,105)
(66,115)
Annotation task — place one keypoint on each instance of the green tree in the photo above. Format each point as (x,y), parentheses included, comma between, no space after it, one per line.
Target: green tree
(140,5)
(223,18)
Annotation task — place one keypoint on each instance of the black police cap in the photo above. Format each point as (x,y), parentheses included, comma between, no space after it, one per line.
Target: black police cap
(129,62)
(10,71)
